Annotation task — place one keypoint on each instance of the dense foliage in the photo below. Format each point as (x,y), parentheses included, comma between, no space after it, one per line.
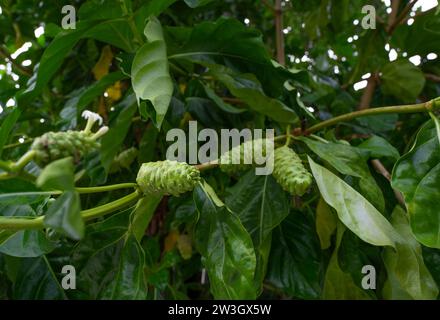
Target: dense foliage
(360,190)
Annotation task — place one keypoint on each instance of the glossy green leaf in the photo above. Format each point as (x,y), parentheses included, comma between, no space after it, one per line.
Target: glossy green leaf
(339,285)
(229,43)
(379,148)
(326,222)
(405,266)
(226,248)
(129,281)
(349,160)
(150,76)
(36,280)
(353,209)
(97,256)
(6,127)
(26,243)
(417,175)
(142,214)
(403,80)
(261,204)
(64,215)
(296,262)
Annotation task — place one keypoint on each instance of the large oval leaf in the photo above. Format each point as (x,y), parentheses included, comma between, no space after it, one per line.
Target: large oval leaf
(417,176)
(26,243)
(150,76)
(405,266)
(296,261)
(226,248)
(349,160)
(353,209)
(261,204)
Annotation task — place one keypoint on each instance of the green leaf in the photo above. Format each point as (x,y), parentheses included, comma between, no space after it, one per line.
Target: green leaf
(339,285)
(417,175)
(197,3)
(326,222)
(349,160)
(353,209)
(142,214)
(55,53)
(23,197)
(64,215)
(150,76)
(225,246)
(219,102)
(403,80)
(35,280)
(405,267)
(261,204)
(129,281)
(7,126)
(26,243)
(230,43)
(379,148)
(58,175)
(147,145)
(296,263)
(119,126)
(248,88)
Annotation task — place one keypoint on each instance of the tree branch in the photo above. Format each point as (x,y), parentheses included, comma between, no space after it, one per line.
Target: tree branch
(279,33)
(393,15)
(368,93)
(429,106)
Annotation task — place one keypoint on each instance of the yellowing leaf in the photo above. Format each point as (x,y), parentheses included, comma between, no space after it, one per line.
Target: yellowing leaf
(114,91)
(102,67)
(182,87)
(171,240)
(184,246)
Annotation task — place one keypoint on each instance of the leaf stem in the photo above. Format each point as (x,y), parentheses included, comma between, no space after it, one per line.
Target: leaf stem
(23,161)
(106,188)
(20,223)
(111,206)
(412,108)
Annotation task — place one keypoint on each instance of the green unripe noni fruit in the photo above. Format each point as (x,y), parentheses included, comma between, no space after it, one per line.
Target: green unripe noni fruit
(289,171)
(56,145)
(167,177)
(245,153)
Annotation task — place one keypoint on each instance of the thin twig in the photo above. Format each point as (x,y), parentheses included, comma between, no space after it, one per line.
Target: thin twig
(232,100)
(380,168)
(5,55)
(432,77)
